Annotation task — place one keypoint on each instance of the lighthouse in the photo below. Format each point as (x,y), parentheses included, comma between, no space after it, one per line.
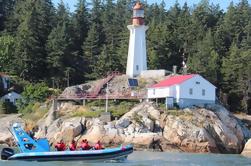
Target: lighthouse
(136,61)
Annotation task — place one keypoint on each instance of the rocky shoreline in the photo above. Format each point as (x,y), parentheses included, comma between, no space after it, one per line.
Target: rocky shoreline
(212,129)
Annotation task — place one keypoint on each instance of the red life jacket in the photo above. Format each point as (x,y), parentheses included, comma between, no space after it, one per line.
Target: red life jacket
(60,146)
(73,147)
(85,146)
(98,146)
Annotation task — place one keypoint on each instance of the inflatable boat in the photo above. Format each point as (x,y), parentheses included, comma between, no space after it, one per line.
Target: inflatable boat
(39,150)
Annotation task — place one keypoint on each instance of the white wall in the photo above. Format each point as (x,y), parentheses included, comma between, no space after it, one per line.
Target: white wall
(159,92)
(181,91)
(197,89)
(137,50)
(12,97)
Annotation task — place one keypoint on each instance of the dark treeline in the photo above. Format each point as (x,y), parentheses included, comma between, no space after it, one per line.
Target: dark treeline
(41,42)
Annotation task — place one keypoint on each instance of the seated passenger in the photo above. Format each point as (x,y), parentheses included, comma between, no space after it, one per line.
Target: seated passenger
(73,145)
(32,132)
(85,145)
(60,146)
(98,146)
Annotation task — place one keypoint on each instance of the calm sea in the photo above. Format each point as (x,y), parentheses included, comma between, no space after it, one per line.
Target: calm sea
(154,159)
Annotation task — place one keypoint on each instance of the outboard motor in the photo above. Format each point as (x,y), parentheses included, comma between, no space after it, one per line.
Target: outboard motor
(6,153)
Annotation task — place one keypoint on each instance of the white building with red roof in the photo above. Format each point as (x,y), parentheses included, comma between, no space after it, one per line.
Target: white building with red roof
(185,90)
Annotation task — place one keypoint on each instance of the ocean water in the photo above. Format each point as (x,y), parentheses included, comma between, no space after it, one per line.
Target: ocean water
(152,159)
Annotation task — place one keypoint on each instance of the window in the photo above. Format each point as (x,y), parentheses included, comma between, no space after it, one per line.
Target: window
(191,91)
(197,82)
(203,92)
(138,13)
(137,67)
(7,100)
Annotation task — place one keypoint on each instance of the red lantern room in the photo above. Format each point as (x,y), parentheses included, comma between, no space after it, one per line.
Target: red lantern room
(138,14)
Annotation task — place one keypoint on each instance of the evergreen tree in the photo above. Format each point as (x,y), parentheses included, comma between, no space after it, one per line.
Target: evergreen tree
(236,76)
(31,37)
(94,41)
(59,48)
(206,60)
(6,9)
(6,53)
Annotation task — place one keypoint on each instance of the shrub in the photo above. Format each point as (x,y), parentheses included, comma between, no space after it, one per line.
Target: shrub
(34,112)
(87,114)
(33,93)
(7,107)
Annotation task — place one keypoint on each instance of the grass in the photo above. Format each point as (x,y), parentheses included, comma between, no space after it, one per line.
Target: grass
(95,108)
(87,114)
(85,111)
(35,112)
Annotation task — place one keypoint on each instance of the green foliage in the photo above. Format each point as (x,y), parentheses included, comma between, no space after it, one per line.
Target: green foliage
(35,23)
(33,93)
(96,107)
(6,53)
(34,111)
(87,114)
(41,43)
(7,107)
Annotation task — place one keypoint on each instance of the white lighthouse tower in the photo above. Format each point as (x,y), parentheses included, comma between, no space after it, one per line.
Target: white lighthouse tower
(136,61)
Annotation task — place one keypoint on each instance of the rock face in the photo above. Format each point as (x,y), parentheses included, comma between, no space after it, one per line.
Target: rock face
(5,122)
(247,149)
(211,129)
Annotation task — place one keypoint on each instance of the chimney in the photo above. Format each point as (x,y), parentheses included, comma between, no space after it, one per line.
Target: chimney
(174,70)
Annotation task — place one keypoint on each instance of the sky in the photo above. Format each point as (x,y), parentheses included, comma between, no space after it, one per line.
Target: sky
(223,3)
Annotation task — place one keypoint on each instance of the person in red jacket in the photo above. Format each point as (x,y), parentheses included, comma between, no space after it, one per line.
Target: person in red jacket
(73,145)
(85,145)
(60,146)
(98,146)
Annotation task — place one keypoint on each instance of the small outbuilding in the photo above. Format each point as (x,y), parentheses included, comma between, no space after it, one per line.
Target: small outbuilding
(11,97)
(184,90)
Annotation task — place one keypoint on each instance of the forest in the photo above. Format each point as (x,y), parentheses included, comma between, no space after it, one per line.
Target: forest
(45,42)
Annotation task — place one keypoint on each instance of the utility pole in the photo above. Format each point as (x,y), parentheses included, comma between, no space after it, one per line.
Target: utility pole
(68,77)
(53,83)
(106,98)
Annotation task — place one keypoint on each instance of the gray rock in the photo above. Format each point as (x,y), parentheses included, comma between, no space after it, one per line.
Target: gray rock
(247,149)
(5,122)
(123,123)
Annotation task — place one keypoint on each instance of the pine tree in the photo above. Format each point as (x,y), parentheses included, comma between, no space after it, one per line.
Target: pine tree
(80,25)
(236,76)
(6,9)
(94,41)
(31,37)
(7,53)
(59,48)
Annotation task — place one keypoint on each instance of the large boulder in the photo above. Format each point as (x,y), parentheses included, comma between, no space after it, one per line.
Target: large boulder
(5,122)
(188,136)
(205,130)
(123,122)
(72,128)
(247,149)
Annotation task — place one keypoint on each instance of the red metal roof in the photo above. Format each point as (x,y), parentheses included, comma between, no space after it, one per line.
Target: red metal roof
(173,80)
